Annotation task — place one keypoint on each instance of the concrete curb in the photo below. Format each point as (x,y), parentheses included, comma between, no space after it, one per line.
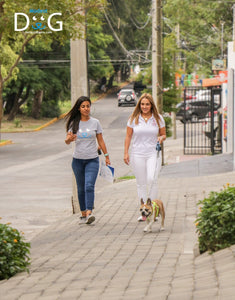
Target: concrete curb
(8,142)
(50,122)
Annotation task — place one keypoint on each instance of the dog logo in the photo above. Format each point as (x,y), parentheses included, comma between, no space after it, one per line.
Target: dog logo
(40,21)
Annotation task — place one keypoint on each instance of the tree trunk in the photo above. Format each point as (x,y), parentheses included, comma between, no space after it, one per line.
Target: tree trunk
(16,105)
(37,103)
(14,110)
(18,102)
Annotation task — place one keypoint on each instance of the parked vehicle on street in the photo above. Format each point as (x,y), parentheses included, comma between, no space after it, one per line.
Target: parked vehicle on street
(139,86)
(127,97)
(203,95)
(192,110)
(206,96)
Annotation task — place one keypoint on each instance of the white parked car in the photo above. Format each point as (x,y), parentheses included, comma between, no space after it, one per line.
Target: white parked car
(127,96)
(206,95)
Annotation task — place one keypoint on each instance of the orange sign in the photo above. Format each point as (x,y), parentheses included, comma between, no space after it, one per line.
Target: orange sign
(218,80)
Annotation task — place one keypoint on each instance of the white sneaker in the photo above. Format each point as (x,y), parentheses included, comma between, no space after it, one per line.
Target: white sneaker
(90,219)
(82,220)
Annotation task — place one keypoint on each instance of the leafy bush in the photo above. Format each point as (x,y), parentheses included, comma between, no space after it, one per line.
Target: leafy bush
(17,123)
(216,221)
(14,252)
(50,109)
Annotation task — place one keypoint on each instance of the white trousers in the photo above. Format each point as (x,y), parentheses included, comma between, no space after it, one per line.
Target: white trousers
(146,170)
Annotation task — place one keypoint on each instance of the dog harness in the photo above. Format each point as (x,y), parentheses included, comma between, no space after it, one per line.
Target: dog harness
(155,206)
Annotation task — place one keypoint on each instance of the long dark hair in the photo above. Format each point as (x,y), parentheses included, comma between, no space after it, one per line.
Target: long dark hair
(73,117)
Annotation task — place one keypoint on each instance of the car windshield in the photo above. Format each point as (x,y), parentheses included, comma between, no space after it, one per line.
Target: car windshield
(126,92)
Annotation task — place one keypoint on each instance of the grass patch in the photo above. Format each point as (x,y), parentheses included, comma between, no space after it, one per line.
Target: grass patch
(26,124)
(124,178)
(127,177)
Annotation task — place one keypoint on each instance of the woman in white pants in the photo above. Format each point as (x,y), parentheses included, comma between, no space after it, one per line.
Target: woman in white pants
(145,128)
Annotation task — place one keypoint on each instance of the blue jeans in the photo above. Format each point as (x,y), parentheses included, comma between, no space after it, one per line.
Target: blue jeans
(86,171)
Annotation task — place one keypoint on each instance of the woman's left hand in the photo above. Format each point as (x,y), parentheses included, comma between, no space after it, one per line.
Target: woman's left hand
(107,161)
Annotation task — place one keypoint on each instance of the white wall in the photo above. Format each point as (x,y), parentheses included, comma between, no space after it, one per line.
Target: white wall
(231,106)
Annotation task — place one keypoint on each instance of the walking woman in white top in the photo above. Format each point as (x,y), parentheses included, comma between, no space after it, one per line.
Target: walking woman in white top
(145,128)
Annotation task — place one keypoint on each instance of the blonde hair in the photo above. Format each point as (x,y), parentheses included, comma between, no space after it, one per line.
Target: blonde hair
(137,111)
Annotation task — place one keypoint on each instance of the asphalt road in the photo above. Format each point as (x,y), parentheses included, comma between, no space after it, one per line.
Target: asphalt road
(35,171)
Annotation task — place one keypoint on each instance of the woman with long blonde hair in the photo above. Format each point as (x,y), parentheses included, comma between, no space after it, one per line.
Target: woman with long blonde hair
(145,128)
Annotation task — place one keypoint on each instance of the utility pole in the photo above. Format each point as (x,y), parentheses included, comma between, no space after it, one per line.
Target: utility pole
(154,51)
(157,86)
(157,80)
(159,57)
(79,87)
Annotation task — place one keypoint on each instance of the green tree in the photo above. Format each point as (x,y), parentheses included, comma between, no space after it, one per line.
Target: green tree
(199,31)
(39,77)
(98,42)
(13,43)
(130,23)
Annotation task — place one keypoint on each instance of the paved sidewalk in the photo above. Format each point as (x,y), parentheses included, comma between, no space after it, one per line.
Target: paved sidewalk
(114,259)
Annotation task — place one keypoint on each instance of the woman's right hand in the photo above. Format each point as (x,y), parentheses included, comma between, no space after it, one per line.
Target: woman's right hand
(70,138)
(126,159)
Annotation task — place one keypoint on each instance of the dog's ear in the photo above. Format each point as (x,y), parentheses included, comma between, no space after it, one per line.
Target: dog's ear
(141,201)
(149,202)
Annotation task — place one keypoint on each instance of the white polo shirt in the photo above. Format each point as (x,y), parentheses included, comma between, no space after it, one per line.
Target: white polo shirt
(145,134)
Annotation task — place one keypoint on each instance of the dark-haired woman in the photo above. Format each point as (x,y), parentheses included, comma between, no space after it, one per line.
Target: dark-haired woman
(86,132)
(145,128)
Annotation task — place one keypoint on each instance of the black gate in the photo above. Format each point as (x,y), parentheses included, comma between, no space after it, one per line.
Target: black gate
(202,120)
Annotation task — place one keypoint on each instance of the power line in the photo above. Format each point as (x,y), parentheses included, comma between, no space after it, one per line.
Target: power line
(115,35)
(128,53)
(141,27)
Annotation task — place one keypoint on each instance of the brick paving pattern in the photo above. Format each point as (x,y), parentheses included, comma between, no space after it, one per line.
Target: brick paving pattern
(114,259)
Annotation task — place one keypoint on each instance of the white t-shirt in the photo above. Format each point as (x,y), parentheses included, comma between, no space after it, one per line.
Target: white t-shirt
(145,134)
(85,144)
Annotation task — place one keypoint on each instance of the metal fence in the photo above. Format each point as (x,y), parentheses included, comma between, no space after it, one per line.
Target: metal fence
(200,113)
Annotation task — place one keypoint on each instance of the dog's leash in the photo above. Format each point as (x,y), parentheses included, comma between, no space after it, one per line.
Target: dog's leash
(159,149)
